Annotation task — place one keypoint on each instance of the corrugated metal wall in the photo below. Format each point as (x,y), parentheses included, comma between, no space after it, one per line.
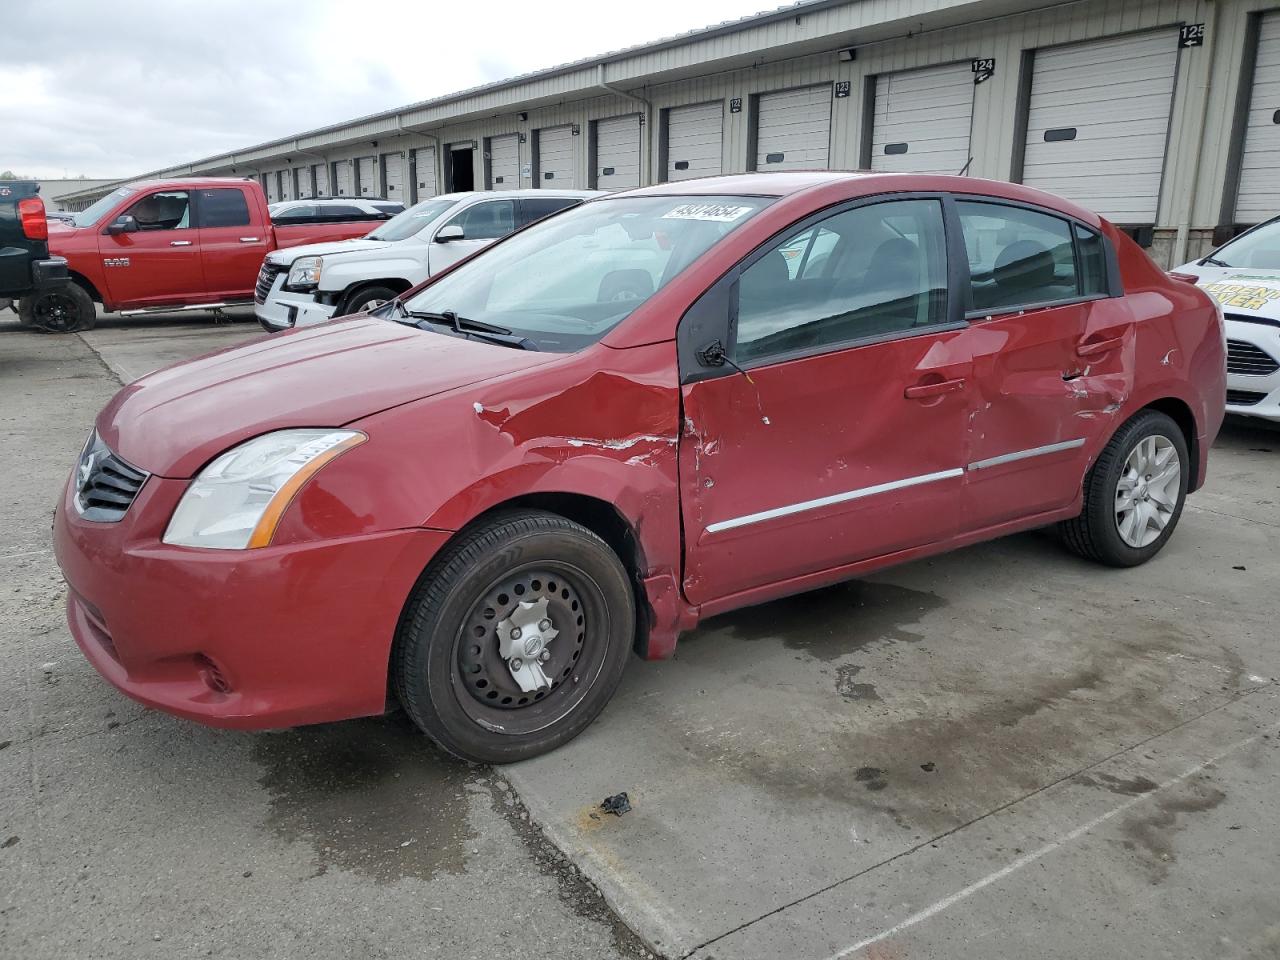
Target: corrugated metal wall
(782,52)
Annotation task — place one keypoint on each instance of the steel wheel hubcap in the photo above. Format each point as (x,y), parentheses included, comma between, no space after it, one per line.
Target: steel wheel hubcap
(522,640)
(1147,492)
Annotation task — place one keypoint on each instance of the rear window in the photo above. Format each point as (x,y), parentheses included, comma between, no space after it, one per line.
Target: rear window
(223,208)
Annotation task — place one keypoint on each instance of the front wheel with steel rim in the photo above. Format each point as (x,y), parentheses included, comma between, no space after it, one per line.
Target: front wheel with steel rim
(515,638)
(1134,494)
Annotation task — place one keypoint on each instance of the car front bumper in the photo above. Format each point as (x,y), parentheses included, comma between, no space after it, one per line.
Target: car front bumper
(283,309)
(251,639)
(1251,394)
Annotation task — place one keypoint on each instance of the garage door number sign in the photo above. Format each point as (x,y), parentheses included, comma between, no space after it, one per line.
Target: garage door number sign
(1191,35)
(983,68)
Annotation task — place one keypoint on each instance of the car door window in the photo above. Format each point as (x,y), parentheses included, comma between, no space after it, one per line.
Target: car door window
(223,208)
(169,210)
(486,221)
(535,208)
(1023,258)
(866,272)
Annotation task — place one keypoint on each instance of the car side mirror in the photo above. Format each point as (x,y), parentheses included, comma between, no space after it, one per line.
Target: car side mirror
(451,232)
(123,224)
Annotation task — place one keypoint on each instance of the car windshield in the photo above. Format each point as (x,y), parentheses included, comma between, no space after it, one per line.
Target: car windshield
(406,224)
(1258,249)
(566,282)
(93,213)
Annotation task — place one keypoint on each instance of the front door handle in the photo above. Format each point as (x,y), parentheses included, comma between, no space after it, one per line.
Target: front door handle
(1095,348)
(922,391)
(179,243)
(248,239)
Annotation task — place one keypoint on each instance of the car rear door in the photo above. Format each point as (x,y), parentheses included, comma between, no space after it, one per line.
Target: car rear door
(844,436)
(159,263)
(1052,353)
(232,247)
(481,223)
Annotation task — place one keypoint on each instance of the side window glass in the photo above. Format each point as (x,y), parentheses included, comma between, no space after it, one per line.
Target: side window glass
(873,270)
(535,208)
(170,210)
(486,221)
(223,208)
(1093,262)
(1017,257)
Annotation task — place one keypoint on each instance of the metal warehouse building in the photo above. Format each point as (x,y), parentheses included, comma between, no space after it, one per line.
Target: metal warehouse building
(1163,115)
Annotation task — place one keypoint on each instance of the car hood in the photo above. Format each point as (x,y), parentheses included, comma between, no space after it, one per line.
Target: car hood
(1247,291)
(355,244)
(175,420)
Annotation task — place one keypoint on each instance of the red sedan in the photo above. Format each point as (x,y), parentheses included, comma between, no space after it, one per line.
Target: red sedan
(661,405)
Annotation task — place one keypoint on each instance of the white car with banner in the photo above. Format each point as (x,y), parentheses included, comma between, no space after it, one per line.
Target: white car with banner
(1244,277)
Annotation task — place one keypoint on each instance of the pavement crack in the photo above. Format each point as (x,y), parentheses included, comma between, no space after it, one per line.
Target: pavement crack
(978,819)
(111,371)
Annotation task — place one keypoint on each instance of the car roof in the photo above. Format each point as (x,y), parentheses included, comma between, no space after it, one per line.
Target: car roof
(860,183)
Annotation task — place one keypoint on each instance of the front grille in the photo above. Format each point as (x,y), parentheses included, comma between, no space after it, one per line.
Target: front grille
(105,485)
(1245,358)
(266,279)
(1244,398)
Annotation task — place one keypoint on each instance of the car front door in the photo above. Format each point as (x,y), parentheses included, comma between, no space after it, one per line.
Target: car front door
(160,261)
(836,431)
(1052,354)
(481,224)
(232,248)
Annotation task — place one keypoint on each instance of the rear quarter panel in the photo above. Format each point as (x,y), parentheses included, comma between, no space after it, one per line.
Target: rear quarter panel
(295,235)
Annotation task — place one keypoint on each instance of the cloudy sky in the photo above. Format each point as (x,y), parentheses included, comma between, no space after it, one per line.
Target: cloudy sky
(111,89)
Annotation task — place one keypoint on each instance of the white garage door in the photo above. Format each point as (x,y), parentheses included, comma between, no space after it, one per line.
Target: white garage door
(272,186)
(695,137)
(618,152)
(285,178)
(302,178)
(393,171)
(368,176)
(504,162)
(424,172)
(555,157)
(922,120)
(1099,120)
(793,129)
(1259,196)
(321,173)
(342,177)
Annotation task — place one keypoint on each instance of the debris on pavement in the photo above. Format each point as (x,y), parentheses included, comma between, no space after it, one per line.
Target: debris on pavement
(618,804)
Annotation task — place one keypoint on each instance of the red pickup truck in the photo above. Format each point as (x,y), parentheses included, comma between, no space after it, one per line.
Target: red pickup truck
(193,243)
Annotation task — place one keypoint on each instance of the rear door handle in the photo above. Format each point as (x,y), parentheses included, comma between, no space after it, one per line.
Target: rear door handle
(922,391)
(1094,348)
(248,239)
(179,243)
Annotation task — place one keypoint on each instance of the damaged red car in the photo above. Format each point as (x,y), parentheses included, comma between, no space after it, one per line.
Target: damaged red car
(482,497)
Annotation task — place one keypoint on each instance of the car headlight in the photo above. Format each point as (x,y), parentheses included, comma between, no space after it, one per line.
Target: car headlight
(236,502)
(305,272)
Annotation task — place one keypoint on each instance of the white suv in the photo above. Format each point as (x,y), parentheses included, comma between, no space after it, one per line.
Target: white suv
(305,285)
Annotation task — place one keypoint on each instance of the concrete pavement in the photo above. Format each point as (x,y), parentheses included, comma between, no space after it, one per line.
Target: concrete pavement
(1003,752)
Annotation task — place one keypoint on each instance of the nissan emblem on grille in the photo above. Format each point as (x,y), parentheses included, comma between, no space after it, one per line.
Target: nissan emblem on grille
(105,485)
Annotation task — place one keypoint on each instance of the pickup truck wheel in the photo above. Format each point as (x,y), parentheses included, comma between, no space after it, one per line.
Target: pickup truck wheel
(62,309)
(515,638)
(368,299)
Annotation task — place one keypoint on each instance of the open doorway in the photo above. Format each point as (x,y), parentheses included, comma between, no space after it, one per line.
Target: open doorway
(461,172)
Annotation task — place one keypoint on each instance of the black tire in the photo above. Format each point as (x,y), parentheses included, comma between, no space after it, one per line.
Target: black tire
(363,299)
(66,308)
(1096,533)
(447,670)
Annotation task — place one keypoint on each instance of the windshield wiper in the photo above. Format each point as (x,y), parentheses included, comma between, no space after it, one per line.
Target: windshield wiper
(1215,261)
(467,327)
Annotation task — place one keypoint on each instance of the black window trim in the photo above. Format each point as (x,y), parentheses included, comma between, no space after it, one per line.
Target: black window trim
(1111,264)
(691,371)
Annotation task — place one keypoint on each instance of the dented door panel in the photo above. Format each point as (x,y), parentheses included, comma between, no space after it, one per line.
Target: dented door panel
(822,461)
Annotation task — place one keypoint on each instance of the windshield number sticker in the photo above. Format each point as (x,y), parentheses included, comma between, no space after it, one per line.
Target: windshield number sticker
(713,212)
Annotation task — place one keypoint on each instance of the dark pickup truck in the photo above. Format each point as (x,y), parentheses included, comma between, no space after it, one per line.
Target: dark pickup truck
(26,268)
